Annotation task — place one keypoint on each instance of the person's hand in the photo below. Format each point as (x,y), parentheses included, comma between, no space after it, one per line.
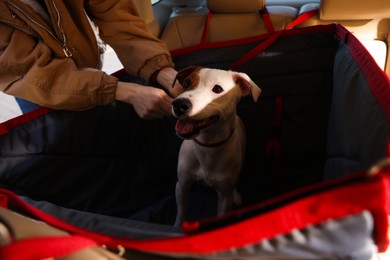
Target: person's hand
(149,102)
(166,78)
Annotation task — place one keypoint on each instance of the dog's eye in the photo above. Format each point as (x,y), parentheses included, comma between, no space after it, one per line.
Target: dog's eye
(217,89)
(186,83)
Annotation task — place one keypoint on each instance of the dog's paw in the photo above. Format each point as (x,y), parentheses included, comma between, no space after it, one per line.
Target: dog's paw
(237,198)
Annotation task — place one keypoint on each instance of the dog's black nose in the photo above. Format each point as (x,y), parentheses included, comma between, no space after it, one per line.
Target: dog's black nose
(181,106)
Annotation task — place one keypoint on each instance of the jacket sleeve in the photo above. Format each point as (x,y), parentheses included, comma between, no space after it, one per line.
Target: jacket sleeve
(29,70)
(140,52)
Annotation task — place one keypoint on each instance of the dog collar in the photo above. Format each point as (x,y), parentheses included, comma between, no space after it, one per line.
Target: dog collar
(214,144)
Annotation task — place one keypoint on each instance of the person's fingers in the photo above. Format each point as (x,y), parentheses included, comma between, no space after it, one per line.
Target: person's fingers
(166,105)
(162,106)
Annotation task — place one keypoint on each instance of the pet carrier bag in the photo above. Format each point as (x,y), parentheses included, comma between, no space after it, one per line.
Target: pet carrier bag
(315,183)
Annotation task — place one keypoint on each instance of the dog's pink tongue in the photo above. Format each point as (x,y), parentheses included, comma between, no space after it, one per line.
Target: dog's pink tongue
(184,126)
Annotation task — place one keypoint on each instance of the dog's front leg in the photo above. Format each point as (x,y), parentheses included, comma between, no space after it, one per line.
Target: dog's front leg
(225,199)
(182,200)
(225,203)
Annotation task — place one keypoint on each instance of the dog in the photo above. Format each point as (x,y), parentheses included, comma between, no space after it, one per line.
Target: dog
(214,136)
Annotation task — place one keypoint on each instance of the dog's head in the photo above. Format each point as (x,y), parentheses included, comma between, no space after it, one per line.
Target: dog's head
(210,96)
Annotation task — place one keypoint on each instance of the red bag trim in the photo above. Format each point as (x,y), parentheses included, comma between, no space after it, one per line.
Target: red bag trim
(370,194)
(6,126)
(45,247)
(377,79)
(333,204)
(14,202)
(293,195)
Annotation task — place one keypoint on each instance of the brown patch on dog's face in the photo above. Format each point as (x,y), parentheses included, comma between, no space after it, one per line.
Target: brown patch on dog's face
(188,77)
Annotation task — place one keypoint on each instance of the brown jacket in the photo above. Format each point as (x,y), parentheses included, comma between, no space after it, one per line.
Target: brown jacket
(56,63)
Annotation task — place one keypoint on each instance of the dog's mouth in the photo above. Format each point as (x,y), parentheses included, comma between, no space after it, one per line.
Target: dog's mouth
(187,128)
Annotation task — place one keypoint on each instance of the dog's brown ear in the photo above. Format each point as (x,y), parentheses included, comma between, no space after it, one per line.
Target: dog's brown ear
(248,87)
(184,74)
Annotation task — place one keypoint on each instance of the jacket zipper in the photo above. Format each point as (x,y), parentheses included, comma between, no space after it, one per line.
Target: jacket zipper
(64,47)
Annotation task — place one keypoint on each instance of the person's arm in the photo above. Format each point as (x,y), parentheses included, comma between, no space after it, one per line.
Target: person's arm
(141,54)
(119,25)
(29,70)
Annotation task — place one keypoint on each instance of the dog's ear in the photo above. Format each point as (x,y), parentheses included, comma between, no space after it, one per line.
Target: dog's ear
(248,87)
(183,74)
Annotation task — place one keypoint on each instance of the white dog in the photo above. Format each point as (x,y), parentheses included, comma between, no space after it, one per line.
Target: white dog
(214,145)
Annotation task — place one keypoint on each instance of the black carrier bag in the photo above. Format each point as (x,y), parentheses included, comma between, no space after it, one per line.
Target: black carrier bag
(315,183)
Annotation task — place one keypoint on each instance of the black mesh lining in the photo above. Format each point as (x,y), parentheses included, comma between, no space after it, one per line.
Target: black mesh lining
(106,161)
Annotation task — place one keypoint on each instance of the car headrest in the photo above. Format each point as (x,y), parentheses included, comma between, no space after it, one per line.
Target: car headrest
(354,9)
(235,6)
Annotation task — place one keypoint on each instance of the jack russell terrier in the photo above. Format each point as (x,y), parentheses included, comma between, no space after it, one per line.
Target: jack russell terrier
(214,145)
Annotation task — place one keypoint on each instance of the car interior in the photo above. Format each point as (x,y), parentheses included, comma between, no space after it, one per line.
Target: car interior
(180,23)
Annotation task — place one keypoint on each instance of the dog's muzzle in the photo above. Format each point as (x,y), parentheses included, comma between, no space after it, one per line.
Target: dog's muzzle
(181,106)
(187,127)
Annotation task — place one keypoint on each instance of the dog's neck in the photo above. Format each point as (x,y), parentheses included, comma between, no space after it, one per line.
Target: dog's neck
(218,134)
(214,144)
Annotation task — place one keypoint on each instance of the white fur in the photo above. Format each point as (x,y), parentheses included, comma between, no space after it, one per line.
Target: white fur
(217,166)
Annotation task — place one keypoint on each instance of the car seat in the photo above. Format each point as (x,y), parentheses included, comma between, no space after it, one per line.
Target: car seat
(231,19)
(369,21)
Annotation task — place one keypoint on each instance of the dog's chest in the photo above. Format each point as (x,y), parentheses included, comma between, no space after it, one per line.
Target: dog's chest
(217,165)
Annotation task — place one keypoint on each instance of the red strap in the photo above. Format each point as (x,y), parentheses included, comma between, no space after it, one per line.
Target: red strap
(203,39)
(258,49)
(45,247)
(278,111)
(274,148)
(265,44)
(204,44)
(274,151)
(264,13)
(267,20)
(302,18)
